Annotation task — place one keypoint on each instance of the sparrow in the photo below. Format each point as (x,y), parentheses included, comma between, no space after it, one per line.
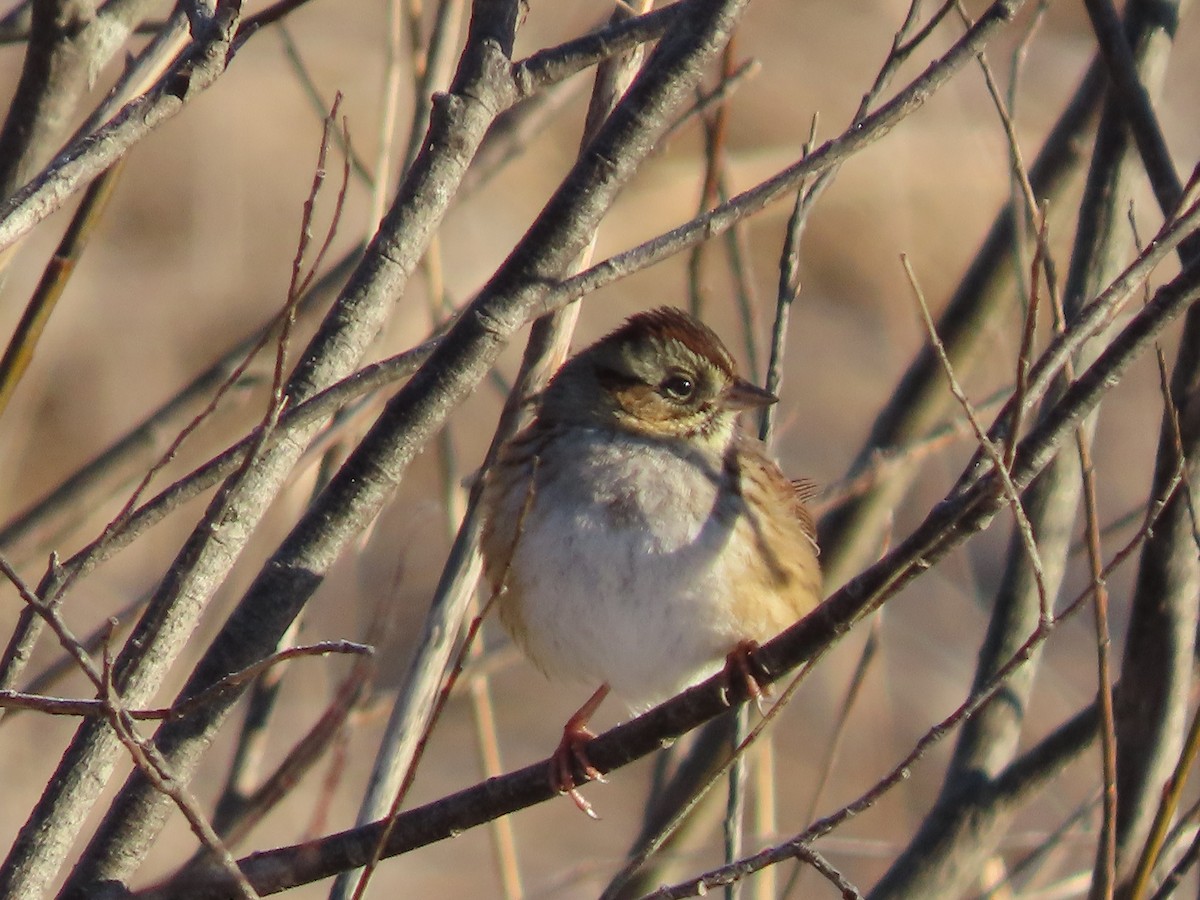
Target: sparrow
(633,535)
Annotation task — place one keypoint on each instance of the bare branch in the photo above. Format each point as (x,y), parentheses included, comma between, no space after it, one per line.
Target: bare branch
(192,74)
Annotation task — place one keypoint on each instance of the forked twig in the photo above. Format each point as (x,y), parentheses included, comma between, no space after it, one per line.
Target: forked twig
(803,853)
(142,751)
(58,706)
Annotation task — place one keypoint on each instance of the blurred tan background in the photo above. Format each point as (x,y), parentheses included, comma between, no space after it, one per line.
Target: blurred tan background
(196,250)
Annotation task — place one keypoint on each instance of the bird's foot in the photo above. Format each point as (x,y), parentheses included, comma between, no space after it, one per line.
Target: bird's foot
(572,752)
(740,664)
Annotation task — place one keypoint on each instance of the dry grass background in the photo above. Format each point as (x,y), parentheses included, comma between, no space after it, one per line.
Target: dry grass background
(195,252)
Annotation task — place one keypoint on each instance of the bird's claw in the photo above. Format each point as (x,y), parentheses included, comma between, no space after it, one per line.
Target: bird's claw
(571,752)
(739,664)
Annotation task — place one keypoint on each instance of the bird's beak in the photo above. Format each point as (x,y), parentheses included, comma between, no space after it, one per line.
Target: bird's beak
(744,395)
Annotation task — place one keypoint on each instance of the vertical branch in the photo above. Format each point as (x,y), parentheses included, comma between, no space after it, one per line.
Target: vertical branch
(735,803)
(431,68)
(1105,876)
(786,293)
(1158,654)
(389,101)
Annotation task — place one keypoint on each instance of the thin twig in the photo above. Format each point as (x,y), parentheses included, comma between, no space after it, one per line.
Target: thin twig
(141,750)
(253,807)
(1179,871)
(61,706)
(319,105)
(1028,334)
(988,447)
(62,666)
(853,689)
(1172,793)
(57,274)
(1106,865)
(785,296)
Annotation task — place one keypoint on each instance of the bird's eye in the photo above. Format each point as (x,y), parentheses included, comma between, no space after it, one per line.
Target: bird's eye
(678,386)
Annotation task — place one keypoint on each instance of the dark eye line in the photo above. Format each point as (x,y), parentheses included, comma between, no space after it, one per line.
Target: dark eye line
(614,380)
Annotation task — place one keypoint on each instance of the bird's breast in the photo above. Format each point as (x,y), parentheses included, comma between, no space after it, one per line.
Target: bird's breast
(637,490)
(621,570)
